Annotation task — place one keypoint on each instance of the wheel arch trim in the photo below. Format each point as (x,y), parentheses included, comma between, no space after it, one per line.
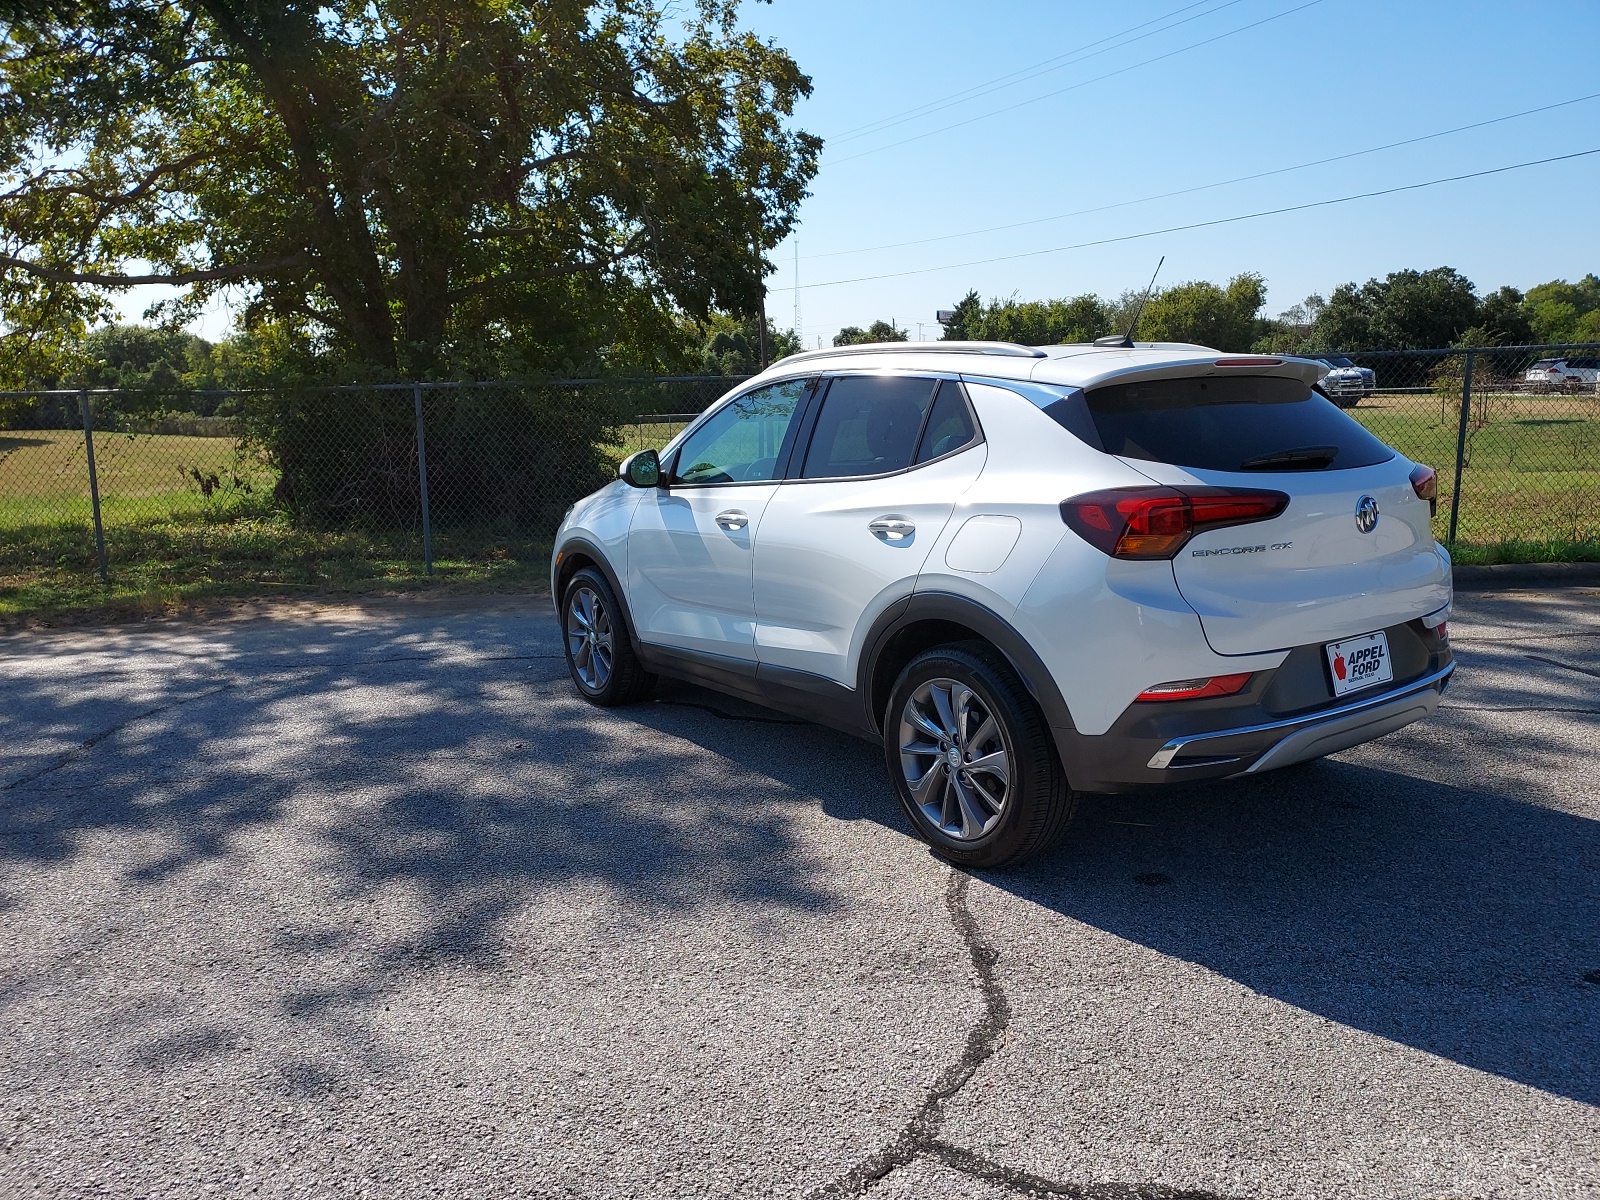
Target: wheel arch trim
(952,609)
(582,547)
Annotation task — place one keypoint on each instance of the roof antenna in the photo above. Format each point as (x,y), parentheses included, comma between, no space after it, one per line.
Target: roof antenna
(1124,341)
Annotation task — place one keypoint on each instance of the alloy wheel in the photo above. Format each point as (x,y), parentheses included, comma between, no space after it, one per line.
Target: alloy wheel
(955,759)
(591,639)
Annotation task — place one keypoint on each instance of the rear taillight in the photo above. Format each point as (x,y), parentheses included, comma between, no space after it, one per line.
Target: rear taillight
(1425,483)
(1155,522)
(1197,689)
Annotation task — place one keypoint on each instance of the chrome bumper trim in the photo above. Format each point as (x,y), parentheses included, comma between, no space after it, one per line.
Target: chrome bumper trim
(1305,735)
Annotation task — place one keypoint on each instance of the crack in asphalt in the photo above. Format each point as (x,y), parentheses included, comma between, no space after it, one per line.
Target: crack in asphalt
(1550,662)
(1025,1184)
(84,747)
(920,1137)
(984,1039)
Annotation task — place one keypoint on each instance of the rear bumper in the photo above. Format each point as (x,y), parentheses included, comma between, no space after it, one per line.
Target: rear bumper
(1284,716)
(1296,740)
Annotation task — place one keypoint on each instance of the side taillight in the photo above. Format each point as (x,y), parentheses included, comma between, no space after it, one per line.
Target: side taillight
(1155,522)
(1425,483)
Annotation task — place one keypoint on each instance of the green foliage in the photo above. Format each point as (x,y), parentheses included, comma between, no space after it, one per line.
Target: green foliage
(1406,310)
(878,331)
(142,357)
(732,345)
(1205,314)
(1029,322)
(513,453)
(398,186)
(1559,311)
(1502,321)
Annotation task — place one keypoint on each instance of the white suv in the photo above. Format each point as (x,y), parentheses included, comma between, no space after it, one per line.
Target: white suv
(1563,374)
(1028,572)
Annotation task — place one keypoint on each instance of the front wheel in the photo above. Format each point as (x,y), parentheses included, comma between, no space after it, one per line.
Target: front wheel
(599,652)
(972,759)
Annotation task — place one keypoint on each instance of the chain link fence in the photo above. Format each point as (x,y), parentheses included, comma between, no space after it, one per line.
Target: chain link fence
(340,484)
(1513,431)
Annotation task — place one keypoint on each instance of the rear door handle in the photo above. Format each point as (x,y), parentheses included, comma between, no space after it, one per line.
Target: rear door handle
(892,529)
(733,519)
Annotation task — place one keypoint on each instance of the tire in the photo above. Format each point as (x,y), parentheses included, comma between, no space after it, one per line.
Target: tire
(946,697)
(598,644)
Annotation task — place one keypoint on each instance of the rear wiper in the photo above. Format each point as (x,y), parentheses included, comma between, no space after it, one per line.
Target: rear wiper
(1306,458)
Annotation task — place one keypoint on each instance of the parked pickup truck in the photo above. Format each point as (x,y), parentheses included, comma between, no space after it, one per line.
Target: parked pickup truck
(1345,383)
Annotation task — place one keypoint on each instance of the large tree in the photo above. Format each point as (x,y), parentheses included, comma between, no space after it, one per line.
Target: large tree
(1405,310)
(417,185)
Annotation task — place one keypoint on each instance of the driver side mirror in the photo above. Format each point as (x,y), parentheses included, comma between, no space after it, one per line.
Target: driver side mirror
(641,470)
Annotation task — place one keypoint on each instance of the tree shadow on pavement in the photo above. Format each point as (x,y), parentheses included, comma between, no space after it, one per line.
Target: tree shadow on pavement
(258,812)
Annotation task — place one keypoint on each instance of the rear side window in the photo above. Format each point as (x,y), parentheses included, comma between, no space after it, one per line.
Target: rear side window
(950,427)
(1234,423)
(868,426)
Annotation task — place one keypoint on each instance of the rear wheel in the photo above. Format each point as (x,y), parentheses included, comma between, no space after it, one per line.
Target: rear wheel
(599,651)
(972,759)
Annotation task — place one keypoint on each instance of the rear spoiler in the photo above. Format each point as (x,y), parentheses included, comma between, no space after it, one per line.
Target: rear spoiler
(1192,366)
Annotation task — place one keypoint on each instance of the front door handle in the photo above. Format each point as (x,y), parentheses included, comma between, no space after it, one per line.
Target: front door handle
(892,529)
(733,520)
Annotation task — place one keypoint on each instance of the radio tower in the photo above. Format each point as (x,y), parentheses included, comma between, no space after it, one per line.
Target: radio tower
(799,340)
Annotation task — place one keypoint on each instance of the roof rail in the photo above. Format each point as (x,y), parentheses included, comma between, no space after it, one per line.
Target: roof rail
(1003,349)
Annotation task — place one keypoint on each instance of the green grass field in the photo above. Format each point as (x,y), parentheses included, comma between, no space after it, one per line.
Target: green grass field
(192,518)
(1530,490)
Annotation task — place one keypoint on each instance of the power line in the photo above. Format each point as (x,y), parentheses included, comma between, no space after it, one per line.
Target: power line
(1049,65)
(1202,187)
(1074,87)
(1269,212)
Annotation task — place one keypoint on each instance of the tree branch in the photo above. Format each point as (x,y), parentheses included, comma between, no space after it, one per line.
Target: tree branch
(209,275)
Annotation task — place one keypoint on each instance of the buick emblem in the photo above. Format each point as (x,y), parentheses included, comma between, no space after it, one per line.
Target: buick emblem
(1366,514)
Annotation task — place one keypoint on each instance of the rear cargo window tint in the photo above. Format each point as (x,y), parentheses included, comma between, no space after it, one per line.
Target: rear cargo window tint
(1234,423)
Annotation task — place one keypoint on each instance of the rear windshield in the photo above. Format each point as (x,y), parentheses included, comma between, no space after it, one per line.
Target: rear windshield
(1238,423)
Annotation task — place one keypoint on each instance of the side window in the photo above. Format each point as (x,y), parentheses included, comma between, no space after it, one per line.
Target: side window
(868,426)
(951,426)
(742,442)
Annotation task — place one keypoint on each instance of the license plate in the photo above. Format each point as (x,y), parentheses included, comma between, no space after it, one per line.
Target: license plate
(1356,663)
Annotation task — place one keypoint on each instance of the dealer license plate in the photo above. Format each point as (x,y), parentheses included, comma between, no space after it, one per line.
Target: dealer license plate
(1357,663)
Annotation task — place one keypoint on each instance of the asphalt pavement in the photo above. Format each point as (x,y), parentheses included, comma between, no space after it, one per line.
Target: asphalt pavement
(364,901)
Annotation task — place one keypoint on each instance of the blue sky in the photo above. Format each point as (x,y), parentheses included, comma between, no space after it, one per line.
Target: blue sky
(1307,81)
(1334,77)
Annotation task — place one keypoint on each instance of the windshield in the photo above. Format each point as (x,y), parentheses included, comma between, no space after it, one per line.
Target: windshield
(1237,423)
(1338,360)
